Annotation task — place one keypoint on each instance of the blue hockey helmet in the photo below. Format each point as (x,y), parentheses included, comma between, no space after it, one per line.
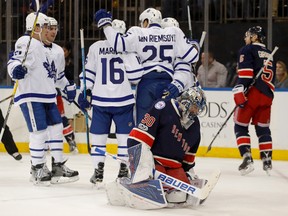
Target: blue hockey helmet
(257,30)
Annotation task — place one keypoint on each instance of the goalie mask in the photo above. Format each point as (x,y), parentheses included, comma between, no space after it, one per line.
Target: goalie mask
(192,103)
(42,19)
(151,15)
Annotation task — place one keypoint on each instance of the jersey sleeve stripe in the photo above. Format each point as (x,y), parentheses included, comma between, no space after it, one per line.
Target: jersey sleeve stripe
(142,136)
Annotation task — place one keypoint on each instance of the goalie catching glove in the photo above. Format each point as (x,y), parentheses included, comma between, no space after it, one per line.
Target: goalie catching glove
(239,95)
(103,18)
(85,103)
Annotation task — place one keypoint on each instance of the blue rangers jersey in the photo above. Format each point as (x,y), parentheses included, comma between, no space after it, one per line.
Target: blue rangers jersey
(38,84)
(108,74)
(251,60)
(171,144)
(156,47)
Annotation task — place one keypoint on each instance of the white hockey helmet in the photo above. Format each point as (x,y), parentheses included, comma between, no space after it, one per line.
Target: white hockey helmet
(41,20)
(52,21)
(119,26)
(192,103)
(152,15)
(169,22)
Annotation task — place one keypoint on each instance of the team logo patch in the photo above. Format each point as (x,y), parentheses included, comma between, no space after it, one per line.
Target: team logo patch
(160,105)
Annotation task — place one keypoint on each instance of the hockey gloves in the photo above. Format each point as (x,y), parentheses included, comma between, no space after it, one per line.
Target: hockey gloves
(239,95)
(85,103)
(70,91)
(19,72)
(102,18)
(173,90)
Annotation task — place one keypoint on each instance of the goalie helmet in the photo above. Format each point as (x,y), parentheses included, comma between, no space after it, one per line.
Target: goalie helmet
(119,26)
(42,19)
(151,15)
(257,30)
(192,103)
(169,22)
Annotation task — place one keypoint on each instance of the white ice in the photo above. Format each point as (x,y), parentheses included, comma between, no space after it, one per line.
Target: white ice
(234,195)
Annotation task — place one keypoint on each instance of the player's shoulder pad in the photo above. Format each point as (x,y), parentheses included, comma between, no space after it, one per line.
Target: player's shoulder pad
(160,104)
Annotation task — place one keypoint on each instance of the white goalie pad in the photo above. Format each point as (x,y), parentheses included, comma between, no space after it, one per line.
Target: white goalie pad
(141,163)
(143,195)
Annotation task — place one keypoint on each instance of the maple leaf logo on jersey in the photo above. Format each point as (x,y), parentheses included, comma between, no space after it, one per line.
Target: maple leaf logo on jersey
(51,69)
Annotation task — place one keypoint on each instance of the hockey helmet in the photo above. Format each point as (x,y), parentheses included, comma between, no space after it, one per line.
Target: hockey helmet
(257,30)
(119,26)
(151,15)
(52,21)
(192,103)
(169,22)
(41,20)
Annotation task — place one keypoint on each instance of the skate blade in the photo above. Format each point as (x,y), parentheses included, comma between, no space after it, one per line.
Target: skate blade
(268,172)
(98,185)
(248,170)
(41,183)
(75,151)
(64,180)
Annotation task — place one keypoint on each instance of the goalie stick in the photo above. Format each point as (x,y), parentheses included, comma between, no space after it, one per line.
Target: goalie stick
(201,193)
(22,63)
(253,82)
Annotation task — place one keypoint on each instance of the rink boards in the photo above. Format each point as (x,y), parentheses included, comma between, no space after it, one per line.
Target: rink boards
(219,105)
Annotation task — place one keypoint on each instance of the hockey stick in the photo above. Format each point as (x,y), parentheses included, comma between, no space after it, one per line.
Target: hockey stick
(189,19)
(6,98)
(77,105)
(253,82)
(23,62)
(84,91)
(201,193)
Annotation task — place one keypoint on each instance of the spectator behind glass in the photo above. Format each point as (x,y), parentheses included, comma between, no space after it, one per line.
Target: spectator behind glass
(69,66)
(215,76)
(281,75)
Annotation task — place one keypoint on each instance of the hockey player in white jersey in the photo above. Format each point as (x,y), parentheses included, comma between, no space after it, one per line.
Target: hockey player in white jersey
(60,172)
(36,96)
(157,49)
(182,69)
(107,82)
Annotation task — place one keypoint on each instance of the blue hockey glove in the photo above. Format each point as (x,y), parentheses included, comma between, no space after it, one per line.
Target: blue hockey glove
(85,103)
(173,90)
(70,91)
(102,18)
(19,72)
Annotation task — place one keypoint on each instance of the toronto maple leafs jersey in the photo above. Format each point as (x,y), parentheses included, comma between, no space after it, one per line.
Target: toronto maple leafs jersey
(38,84)
(171,144)
(108,74)
(250,61)
(56,54)
(156,47)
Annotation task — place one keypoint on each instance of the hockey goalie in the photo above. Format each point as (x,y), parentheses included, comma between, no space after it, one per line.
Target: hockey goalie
(165,141)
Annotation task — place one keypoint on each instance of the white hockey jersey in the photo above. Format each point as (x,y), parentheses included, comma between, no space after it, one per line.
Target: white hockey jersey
(108,74)
(156,47)
(38,84)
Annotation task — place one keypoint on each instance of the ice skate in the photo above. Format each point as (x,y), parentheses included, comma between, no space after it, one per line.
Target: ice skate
(247,165)
(267,165)
(17,156)
(123,171)
(62,174)
(98,175)
(73,147)
(40,175)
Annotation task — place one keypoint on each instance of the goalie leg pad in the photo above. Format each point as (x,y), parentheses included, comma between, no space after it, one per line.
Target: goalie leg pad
(114,193)
(141,163)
